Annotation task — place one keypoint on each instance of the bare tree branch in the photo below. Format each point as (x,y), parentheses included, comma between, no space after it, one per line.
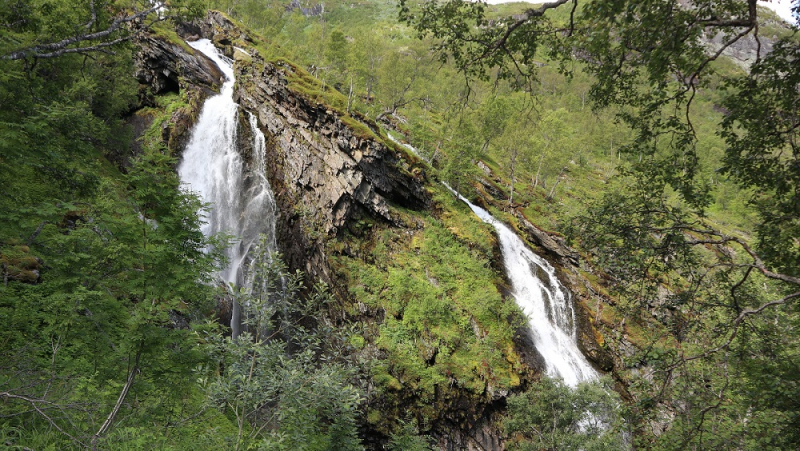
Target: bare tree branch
(93,19)
(34,402)
(736,325)
(64,46)
(758,263)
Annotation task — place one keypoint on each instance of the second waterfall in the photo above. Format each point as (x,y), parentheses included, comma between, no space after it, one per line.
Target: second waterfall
(544,301)
(240,198)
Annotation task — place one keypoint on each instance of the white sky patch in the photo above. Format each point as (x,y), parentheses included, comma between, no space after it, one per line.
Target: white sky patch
(782,7)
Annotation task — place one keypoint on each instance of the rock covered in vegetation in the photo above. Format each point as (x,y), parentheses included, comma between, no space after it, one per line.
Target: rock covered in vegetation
(165,64)
(19,265)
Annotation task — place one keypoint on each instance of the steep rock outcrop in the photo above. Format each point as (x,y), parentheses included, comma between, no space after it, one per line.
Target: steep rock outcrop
(481,437)
(553,245)
(166,66)
(163,65)
(322,172)
(743,52)
(325,163)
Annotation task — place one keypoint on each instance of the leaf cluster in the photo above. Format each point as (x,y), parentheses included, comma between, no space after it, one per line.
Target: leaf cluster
(280,379)
(552,416)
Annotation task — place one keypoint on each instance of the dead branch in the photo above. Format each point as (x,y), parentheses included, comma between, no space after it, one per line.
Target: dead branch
(87,42)
(34,402)
(123,394)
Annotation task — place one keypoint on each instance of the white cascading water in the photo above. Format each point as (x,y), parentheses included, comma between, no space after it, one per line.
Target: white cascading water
(409,147)
(240,198)
(544,301)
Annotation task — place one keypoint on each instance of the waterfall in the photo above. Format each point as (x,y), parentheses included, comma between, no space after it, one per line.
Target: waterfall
(240,198)
(408,146)
(544,301)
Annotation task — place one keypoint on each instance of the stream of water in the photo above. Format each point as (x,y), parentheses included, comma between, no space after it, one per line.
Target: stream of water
(241,200)
(545,302)
(543,299)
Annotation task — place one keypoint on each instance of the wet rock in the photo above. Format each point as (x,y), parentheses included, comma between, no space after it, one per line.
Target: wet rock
(480,437)
(554,246)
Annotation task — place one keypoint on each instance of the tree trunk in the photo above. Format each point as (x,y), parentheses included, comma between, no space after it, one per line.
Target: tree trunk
(558,179)
(514,153)
(435,152)
(485,146)
(350,96)
(538,171)
(125,389)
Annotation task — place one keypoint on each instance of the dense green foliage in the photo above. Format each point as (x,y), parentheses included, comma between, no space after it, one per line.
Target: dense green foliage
(674,172)
(102,270)
(119,258)
(551,416)
(280,379)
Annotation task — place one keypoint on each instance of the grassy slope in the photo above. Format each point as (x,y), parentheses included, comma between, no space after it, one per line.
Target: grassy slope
(447,332)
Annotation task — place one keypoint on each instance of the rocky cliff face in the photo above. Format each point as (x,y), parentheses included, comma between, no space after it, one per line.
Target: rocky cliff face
(323,172)
(164,65)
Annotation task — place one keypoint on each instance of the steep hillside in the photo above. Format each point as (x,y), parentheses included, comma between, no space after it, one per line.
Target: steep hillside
(417,275)
(382,307)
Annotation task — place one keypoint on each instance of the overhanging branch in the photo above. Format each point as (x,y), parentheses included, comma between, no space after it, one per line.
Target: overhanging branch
(749,21)
(87,42)
(737,323)
(526,16)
